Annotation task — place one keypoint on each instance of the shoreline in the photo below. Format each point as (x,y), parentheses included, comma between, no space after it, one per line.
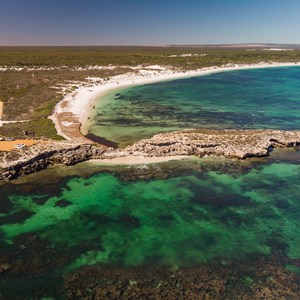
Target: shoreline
(186,144)
(71,114)
(137,160)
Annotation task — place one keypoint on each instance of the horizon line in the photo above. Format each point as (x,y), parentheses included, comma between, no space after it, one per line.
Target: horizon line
(156,45)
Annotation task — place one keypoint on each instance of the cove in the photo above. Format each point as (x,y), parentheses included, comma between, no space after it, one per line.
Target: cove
(241,99)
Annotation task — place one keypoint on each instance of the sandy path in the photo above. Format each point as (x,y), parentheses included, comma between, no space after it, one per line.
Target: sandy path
(10,145)
(1,109)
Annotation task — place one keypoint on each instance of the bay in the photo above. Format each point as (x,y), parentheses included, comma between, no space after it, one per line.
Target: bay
(243,99)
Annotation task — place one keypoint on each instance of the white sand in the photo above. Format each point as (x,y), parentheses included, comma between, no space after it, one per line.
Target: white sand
(136,160)
(67,124)
(79,103)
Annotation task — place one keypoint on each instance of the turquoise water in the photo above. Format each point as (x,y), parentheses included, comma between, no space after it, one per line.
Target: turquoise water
(196,216)
(257,98)
(238,222)
(179,220)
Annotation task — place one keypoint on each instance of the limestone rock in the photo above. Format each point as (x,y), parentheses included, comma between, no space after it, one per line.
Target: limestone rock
(238,144)
(228,143)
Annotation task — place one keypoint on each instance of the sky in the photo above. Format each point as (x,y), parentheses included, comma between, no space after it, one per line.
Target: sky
(148,22)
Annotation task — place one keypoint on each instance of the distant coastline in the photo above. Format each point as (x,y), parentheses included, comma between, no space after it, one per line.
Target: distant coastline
(71,114)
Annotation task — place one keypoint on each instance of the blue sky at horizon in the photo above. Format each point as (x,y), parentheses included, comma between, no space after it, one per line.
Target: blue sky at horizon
(145,22)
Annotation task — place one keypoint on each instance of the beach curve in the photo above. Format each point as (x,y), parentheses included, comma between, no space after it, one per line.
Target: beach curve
(71,114)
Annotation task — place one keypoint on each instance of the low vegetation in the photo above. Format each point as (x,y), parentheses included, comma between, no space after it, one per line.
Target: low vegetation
(132,56)
(30,93)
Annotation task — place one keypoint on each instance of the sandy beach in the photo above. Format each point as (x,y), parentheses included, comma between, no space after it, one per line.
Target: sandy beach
(70,114)
(136,160)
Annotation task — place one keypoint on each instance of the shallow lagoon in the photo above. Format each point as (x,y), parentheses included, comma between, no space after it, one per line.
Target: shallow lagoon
(256,98)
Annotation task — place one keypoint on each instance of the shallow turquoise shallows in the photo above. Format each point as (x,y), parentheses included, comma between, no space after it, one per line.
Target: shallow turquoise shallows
(188,219)
(256,98)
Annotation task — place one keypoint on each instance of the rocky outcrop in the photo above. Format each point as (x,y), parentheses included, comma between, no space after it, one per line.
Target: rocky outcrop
(227,143)
(238,144)
(39,157)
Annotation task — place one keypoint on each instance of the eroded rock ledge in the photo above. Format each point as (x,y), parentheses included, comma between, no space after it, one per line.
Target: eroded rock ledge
(35,158)
(227,143)
(238,144)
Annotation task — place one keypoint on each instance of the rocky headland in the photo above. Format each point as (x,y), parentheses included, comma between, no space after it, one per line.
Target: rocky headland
(232,144)
(238,144)
(38,157)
